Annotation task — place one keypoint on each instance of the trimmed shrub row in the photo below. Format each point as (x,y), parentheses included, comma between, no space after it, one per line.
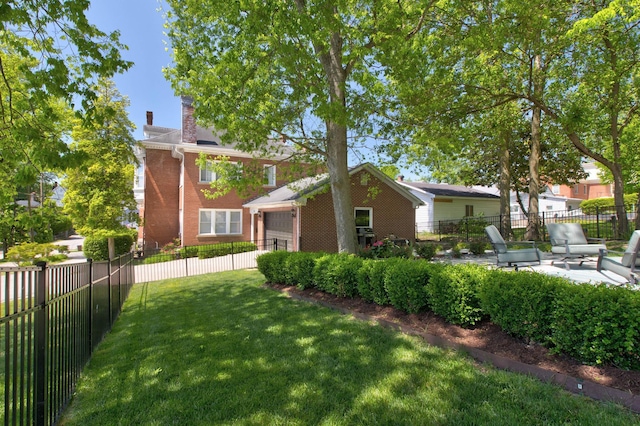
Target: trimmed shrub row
(595,324)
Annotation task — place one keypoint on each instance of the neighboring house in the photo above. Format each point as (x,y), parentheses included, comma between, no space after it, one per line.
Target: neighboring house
(444,202)
(169,185)
(548,203)
(587,189)
(302,212)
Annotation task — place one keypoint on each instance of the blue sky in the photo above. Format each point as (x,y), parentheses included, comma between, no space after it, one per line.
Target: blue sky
(141,28)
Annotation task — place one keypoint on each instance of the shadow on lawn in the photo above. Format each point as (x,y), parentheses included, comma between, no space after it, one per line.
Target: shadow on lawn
(223,349)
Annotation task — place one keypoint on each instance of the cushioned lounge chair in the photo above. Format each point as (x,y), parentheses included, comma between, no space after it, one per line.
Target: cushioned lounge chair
(627,266)
(568,239)
(514,256)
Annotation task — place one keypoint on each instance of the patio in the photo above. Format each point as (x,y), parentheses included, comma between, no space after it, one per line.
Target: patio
(584,273)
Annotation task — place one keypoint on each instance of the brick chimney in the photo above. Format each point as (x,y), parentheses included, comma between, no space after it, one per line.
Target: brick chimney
(150,118)
(188,120)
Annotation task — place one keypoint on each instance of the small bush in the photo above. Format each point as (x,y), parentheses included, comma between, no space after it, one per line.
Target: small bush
(426,250)
(271,265)
(453,292)
(299,267)
(598,325)
(337,274)
(522,303)
(26,254)
(477,247)
(405,281)
(371,281)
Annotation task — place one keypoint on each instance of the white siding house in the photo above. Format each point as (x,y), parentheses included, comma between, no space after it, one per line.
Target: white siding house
(447,202)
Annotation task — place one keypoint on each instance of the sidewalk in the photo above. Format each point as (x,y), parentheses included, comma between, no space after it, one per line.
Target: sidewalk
(74,243)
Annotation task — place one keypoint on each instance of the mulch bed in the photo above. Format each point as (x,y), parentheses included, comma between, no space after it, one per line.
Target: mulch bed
(486,342)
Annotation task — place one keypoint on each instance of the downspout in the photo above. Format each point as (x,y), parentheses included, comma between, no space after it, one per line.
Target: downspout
(176,153)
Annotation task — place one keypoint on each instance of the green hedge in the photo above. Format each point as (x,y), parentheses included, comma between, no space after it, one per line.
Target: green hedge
(272,266)
(598,325)
(337,274)
(522,302)
(97,248)
(606,204)
(453,292)
(299,269)
(223,249)
(405,282)
(371,281)
(595,324)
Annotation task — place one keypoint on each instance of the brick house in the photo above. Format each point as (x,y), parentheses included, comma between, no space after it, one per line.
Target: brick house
(301,213)
(169,185)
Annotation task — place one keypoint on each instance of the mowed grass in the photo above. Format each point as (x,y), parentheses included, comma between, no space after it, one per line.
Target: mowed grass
(222,349)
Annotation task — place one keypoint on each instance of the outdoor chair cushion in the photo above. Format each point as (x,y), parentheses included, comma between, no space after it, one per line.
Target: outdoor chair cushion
(569,239)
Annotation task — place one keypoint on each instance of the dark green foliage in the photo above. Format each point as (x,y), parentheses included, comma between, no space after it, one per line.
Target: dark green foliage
(97,248)
(522,303)
(478,247)
(385,249)
(598,325)
(453,292)
(337,274)
(271,265)
(299,267)
(426,250)
(405,281)
(188,251)
(223,249)
(371,281)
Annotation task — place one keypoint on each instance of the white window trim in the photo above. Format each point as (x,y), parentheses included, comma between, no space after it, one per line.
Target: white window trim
(214,177)
(370,209)
(213,224)
(270,175)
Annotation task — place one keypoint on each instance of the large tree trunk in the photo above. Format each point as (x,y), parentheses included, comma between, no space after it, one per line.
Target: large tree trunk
(504,185)
(331,59)
(533,224)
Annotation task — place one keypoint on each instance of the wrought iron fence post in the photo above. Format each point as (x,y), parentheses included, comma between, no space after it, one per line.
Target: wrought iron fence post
(275,244)
(466,225)
(91,312)
(40,374)
(544,220)
(598,221)
(109,301)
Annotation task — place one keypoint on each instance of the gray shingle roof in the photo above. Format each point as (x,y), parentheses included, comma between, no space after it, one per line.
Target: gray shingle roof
(451,190)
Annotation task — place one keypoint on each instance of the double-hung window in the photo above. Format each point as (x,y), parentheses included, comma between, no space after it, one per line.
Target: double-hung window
(270,175)
(206,174)
(220,222)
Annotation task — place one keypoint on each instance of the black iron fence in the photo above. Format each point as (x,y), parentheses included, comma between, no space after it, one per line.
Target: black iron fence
(52,318)
(601,222)
(179,262)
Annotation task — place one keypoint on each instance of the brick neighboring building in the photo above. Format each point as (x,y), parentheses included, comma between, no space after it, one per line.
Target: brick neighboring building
(587,189)
(302,213)
(169,186)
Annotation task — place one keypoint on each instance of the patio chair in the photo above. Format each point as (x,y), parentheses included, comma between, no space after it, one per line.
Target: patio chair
(568,239)
(512,256)
(627,265)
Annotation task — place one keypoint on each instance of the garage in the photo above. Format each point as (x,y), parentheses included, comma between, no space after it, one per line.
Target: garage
(279,225)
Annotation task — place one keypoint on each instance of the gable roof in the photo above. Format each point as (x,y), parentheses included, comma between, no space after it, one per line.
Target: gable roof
(296,193)
(444,190)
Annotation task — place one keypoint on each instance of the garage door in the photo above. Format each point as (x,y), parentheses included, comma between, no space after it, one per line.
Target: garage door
(279,225)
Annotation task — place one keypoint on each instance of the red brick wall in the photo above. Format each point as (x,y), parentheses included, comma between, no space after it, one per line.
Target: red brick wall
(392,214)
(162,180)
(194,200)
